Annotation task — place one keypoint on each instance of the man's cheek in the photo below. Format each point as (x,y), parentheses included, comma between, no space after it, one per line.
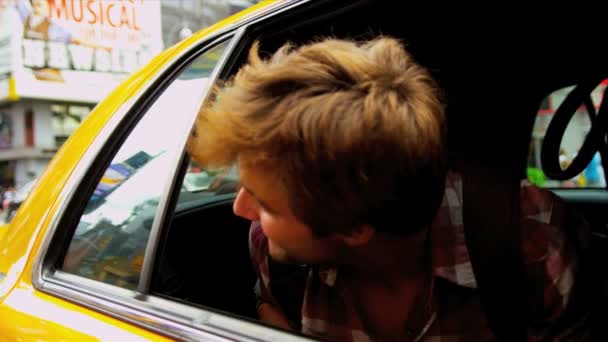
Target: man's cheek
(276,252)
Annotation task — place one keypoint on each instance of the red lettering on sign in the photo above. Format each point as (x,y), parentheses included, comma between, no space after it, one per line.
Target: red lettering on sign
(113,14)
(124,16)
(59,11)
(101,13)
(74,16)
(135,26)
(93,18)
(108,15)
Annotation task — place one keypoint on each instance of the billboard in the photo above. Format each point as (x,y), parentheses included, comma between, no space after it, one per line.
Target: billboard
(75,50)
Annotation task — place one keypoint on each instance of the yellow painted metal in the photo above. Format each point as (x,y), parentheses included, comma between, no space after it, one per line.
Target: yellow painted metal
(28,314)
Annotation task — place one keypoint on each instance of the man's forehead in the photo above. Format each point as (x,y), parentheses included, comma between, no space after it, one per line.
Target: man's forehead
(263,181)
(254,175)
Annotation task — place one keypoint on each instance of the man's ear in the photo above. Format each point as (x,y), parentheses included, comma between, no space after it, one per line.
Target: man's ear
(358,236)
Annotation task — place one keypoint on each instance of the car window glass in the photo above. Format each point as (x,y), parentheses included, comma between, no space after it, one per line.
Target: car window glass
(110,239)
(593,175)
(203,186)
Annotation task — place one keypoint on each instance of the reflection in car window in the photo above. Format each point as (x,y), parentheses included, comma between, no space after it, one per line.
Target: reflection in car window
(110,239)
(573,138)
(202,186)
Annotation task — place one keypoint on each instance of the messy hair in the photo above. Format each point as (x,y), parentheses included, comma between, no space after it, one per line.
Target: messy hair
(354,131)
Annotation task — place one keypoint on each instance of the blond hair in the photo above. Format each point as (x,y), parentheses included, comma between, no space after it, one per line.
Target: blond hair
(354,131)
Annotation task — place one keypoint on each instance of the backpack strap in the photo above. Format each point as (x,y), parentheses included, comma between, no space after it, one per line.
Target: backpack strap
(491,216)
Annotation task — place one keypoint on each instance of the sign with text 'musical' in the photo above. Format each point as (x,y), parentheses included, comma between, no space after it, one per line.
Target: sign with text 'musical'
(76,50)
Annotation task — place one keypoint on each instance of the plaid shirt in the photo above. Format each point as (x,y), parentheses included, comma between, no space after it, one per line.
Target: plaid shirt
(454,311)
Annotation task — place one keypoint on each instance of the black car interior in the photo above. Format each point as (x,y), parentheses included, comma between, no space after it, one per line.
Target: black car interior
(218,274)
(495,71)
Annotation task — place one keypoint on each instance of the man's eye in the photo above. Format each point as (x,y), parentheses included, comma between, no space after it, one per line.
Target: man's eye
(263,207)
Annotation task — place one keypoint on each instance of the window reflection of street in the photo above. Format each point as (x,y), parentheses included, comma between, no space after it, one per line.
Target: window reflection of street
(114,235)
(110,240)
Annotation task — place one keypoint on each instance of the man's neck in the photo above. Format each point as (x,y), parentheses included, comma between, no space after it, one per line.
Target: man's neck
(389,260)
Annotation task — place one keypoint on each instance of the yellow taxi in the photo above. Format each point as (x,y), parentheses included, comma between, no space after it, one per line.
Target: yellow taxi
(82,260)
(124,238)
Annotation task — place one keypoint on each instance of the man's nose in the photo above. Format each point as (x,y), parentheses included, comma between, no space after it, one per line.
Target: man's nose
(244,207)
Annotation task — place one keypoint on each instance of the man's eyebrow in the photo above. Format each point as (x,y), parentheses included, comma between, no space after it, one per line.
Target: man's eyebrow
(257,198)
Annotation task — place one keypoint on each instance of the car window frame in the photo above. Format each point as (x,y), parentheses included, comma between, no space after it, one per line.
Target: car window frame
(133,306)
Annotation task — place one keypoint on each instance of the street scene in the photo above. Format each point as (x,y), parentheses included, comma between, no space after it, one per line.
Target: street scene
(51,80)
(301,170)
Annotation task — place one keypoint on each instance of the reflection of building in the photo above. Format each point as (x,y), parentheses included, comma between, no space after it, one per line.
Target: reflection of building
(117,174)
(182,17)
(138,160)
